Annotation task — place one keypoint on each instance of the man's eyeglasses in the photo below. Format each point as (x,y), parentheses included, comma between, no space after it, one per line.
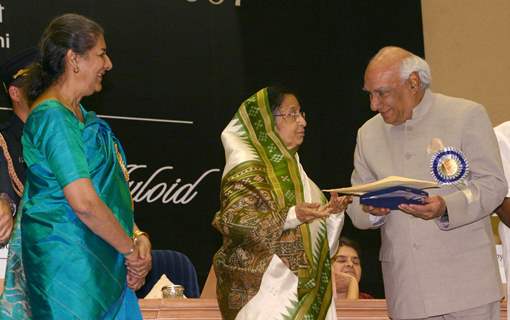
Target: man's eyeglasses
(385,92)
(293,116)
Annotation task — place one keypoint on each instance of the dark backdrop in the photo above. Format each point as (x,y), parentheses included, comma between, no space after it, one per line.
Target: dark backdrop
(197,60)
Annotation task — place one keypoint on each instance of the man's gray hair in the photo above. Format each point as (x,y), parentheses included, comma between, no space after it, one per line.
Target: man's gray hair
(412,64)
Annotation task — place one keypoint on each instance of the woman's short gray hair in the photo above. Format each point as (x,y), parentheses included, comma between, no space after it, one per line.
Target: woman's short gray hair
(412,64)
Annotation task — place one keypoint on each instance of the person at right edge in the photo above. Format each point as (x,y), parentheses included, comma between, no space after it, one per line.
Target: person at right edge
(503,135)
(438,259)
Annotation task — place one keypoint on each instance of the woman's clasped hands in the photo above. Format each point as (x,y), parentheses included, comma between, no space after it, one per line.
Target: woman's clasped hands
(139,263)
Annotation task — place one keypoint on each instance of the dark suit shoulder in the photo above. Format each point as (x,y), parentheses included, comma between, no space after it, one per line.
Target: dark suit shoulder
(5,125)
(12,129)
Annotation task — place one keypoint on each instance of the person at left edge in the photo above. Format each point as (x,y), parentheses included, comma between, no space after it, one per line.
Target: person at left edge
(12,167)
(75,252)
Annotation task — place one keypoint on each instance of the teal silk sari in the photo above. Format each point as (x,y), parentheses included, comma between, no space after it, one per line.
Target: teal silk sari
(57,267)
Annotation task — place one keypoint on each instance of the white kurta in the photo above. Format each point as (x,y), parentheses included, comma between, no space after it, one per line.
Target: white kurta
(503,135)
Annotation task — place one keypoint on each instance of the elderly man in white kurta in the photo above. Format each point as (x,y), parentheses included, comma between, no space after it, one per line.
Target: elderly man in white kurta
(438,259)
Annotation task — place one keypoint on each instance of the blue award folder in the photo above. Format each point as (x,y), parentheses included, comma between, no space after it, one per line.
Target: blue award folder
(392,197)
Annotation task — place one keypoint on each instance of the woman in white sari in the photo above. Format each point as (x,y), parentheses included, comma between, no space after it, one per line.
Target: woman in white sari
(278,228)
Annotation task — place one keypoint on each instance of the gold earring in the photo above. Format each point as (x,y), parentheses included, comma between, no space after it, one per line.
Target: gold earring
(76,69)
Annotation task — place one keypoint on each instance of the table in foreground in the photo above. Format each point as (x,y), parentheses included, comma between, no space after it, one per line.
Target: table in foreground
(207,309)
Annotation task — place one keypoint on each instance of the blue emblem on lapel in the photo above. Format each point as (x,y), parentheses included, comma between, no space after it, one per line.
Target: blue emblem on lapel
(449,166)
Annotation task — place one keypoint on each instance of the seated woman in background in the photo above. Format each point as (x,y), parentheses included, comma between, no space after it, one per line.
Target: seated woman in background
(346,266)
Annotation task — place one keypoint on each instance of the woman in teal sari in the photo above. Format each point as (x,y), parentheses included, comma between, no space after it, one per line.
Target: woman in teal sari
(278,229)
(76,252)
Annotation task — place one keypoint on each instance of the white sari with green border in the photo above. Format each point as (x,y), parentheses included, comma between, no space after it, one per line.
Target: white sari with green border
(265,270)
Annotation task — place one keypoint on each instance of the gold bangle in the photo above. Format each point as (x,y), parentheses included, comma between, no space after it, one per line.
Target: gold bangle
(131,250)
(139,233)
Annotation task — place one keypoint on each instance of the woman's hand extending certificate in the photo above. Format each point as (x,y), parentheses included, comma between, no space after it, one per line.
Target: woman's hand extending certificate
(307,212)
(337,204)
